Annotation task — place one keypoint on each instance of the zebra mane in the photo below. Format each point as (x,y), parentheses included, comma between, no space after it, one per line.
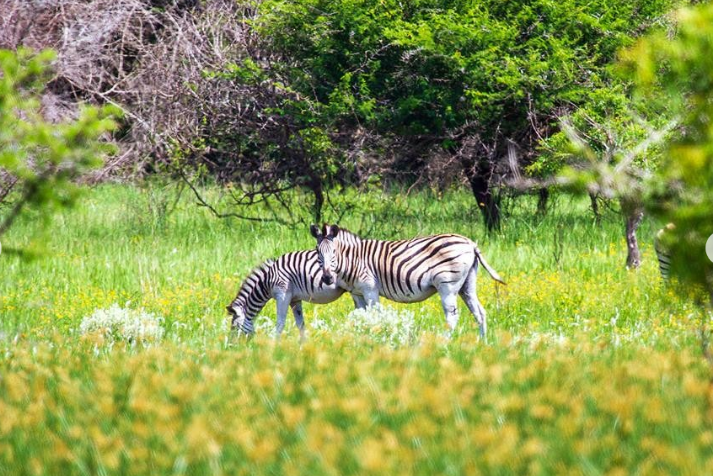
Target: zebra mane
(347,237)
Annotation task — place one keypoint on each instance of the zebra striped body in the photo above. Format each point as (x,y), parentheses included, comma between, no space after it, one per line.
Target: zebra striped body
(405,270)
(289,279)
(662,252)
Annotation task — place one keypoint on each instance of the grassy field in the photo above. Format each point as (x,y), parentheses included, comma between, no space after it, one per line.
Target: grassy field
(590,369)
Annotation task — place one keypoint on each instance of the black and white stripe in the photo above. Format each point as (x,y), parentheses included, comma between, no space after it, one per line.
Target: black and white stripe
(662,252)
(289,279)
(405,270)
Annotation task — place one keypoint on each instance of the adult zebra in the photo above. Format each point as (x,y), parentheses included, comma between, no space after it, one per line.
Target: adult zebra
(289,279)
(405,270)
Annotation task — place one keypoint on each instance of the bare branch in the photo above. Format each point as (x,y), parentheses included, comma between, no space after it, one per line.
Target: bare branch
(204,203)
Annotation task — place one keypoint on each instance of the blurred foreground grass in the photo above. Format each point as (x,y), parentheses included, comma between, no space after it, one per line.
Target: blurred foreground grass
(590,369)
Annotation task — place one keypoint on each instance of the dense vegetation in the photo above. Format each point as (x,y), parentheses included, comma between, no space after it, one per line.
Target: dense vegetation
(39,159)
(589,368)
(462,79)
(317,95)
(117,357)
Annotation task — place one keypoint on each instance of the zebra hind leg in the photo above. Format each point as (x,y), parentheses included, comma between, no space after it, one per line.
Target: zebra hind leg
(449,300)
(469,295)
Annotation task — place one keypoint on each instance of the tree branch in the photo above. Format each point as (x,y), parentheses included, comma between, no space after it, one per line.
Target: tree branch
(203,203)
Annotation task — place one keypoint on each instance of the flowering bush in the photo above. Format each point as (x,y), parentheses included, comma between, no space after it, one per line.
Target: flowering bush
(381,324)
(117,323)
(386,325)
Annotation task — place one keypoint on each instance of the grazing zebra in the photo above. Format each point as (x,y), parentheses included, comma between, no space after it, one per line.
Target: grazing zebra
(662,252)
(405,270)
(289,279)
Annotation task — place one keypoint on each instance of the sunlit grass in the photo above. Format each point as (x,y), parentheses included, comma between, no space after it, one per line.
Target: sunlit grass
(589,368)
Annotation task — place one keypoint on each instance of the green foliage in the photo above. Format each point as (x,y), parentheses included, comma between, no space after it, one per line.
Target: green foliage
(429,67)
(678,73)
(607,147)
(387,87)
(274,140)
(41,159)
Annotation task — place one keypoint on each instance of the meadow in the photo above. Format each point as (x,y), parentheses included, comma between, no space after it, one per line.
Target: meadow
(589,368)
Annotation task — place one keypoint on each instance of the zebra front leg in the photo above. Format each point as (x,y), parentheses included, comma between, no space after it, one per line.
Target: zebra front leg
(299,319)
(359,301)
(371,297)
(283,302)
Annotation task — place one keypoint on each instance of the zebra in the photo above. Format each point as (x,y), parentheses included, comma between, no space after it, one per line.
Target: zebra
(663,254)
(289,279)
(406,270)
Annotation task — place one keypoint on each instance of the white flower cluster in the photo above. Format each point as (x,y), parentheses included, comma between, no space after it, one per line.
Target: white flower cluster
(117,323)
(382,324)
(264,323)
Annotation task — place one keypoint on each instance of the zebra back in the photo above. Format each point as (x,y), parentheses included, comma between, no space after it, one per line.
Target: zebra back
(401,266)
(301,270)
(347,239)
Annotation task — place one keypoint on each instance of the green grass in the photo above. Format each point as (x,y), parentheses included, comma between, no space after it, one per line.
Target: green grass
(590,369)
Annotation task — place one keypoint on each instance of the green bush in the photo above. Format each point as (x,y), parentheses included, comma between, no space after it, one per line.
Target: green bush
(678,73)
(40,160)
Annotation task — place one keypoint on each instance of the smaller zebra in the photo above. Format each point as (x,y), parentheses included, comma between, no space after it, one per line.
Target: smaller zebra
(290,279)
(662,252)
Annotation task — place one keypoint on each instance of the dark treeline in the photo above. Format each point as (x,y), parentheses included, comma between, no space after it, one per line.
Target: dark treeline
(274,95)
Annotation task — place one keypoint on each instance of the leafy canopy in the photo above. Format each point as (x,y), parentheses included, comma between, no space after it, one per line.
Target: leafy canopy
(678,73)
(39,160)
(427,66)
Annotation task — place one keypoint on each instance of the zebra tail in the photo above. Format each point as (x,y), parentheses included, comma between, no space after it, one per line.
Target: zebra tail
(493,274)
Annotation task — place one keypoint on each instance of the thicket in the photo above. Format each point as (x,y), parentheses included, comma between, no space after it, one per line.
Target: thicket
(475,84)
(678,73)
(319,95)
(40,160)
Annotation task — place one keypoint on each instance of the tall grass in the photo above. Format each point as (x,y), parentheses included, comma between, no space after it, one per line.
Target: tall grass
(590,369)
(114,248)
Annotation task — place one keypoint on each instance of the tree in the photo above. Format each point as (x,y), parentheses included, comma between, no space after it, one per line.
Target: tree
(40,160)
(267,140)
(678,73)
(608,148)
(472,78)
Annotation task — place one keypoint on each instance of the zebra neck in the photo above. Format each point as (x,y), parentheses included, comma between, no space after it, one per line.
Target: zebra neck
(347,238)
(255,292)
(349,260)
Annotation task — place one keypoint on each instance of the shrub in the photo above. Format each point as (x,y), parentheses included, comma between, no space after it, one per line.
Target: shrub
(120,324)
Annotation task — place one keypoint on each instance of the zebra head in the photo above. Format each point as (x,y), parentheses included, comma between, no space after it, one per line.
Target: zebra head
(239,320)
(326,252)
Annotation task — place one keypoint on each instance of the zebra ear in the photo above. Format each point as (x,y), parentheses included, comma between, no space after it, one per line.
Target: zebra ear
(230,310)
(314,229)
(333,231)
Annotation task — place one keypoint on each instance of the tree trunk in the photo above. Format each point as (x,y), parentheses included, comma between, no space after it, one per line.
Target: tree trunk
(487,202)
(318,201)
(633,214)
(543,197)
(595,209)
